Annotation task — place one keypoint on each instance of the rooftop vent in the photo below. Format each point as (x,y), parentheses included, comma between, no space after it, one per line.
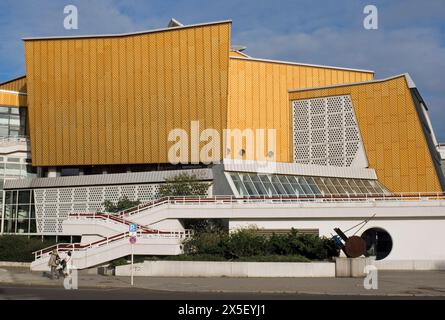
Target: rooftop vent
(174,23)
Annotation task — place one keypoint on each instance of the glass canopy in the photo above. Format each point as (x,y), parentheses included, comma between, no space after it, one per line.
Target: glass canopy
(254,184)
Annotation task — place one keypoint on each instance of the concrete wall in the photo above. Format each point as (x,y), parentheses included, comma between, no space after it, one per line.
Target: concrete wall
(410,265)
(228,269)
(168,225)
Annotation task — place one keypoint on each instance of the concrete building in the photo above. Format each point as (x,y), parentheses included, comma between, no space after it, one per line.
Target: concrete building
(91,121)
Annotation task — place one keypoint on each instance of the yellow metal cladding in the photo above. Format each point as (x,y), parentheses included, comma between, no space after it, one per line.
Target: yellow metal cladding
(18,84)
(395,144)
(114,99)
(10,98)
(258,94)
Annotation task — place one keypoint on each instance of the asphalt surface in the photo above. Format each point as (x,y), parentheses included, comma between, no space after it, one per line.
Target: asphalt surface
(51,293)
(20,283)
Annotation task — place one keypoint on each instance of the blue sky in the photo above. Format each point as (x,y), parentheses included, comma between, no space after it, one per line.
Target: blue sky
(410,38)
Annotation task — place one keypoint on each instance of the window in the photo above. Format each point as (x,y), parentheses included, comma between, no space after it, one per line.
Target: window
(69,172)
(12,121)
(252,184)
(19,212)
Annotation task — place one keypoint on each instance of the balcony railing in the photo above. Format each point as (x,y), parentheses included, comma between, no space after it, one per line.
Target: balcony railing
(14,140)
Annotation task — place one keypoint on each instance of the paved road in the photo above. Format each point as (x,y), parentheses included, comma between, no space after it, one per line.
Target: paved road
(403,284)
(51,293)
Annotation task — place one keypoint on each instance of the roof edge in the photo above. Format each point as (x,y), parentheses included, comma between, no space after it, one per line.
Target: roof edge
(409,81)
(145,177)
(292,168)
(129,33)
(303,64)
(13,79)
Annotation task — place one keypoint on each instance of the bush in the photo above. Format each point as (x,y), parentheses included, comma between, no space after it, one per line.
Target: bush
(20,248)
(197,257)
(274,258)
(122,204)
(205,225)
(210,243)
(246,243)
(211,257)
(306,245)
(183,184)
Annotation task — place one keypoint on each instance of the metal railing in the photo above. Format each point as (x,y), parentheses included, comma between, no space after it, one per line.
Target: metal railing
(61,247)
(406,196)
(11,140)
(108,218)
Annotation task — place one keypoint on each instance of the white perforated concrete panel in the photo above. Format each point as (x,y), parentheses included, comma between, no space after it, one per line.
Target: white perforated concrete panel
(54,205)
(326,133)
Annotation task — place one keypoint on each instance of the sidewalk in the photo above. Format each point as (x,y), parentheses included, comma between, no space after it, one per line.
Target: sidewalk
(391,283)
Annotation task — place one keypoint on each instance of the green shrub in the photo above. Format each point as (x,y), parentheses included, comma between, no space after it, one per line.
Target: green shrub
(212,243)
(274,258)
(20,248)
(210,257)
(306,245)
(205,225)
(247,243)
(197,257)
(183,184)
(122,204)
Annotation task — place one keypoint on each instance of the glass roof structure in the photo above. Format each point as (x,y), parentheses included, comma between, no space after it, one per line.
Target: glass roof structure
(254,184)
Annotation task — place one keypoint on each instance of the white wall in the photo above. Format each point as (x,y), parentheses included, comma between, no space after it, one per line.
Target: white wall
(413,239)
(168,225)
(228,269)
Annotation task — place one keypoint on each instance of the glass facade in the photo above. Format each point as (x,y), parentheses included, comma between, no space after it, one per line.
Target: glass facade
(19,212)
(12,121)
(253,184)
(14,168)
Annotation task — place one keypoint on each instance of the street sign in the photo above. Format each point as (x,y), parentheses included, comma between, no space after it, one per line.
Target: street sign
(133,240)
(133,227)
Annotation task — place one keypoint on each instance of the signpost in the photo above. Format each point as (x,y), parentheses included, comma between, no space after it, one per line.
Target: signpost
(132,229)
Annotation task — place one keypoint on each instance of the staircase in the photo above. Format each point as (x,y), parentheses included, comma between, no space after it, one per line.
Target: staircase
(152,242)
(97,223)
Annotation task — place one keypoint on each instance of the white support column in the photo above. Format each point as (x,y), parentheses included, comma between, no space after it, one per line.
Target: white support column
(52,172)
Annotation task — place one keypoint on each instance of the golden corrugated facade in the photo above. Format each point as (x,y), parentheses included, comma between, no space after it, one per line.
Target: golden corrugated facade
(114,99)
(14,99)
(391,130)
(258,94)
(236,54)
